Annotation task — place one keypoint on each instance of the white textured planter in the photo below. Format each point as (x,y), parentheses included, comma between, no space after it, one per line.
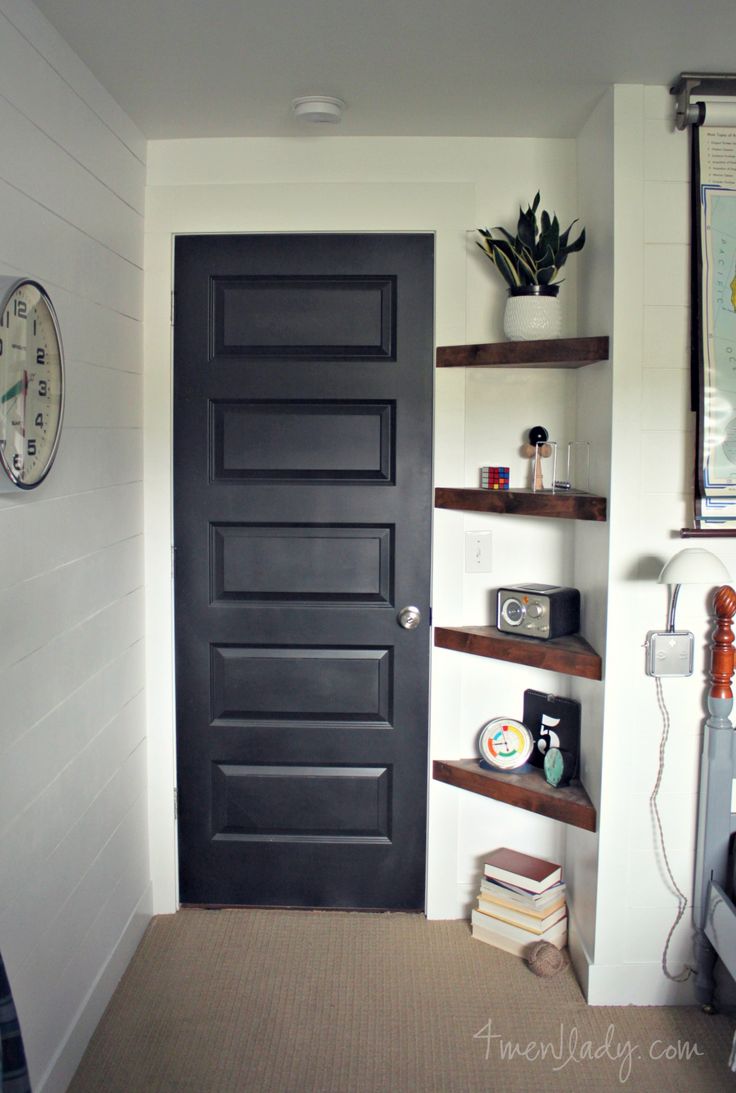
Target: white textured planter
(532,314)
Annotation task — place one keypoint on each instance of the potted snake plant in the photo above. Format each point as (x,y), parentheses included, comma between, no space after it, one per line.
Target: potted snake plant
(529,263)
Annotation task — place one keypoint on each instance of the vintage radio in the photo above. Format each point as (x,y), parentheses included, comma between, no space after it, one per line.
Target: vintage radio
(538,610)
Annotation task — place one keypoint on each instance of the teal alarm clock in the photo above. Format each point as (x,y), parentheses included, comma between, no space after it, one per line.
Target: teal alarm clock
(559,766)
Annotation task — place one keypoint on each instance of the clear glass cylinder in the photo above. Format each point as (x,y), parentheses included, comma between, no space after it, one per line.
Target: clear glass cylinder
(575,475)
(578,465)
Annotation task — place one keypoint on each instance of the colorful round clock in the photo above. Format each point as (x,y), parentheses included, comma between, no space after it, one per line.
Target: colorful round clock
(505,744)
(31,383)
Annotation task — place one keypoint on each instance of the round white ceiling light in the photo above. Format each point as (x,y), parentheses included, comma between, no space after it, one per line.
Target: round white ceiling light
(318,108)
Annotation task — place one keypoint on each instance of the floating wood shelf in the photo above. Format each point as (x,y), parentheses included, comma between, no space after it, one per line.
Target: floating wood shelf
(571,505)
(571,655)
(708,533)
(545,353)
(569,804)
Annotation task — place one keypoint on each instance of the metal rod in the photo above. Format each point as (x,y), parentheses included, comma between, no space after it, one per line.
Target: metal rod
(707,83)
(673,605)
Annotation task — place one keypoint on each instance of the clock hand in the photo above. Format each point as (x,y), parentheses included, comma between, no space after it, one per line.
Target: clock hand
(16,389)
(23,411)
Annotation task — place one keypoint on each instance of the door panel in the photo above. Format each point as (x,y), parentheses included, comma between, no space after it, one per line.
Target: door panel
(326,441)
(301,684)
(317,317)
(286,804)
(319,563)
(303,370)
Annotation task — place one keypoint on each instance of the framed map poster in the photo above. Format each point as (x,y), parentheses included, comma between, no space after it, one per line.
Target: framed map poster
(714,323)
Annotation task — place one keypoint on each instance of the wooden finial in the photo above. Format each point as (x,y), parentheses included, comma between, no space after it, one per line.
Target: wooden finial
(724,602)
(722,652)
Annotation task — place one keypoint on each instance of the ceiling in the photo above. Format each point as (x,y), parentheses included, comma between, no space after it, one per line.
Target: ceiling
(207,68)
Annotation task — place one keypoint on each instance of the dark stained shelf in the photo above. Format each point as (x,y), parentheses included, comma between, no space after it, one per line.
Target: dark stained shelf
(571,655)
(708,533)
(530,791)
(545,353)
(570,505)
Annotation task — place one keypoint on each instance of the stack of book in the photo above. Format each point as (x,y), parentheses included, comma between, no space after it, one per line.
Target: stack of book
(521,900)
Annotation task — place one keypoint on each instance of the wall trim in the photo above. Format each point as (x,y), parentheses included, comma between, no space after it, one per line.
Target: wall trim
(636,985)
(69,1054)
(623,984)
(579,956)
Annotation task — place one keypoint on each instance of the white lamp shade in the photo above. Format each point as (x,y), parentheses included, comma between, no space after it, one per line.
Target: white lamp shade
(694,566)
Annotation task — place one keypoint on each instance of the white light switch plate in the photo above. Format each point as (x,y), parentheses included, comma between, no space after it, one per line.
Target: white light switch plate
(670,653)
(478,552)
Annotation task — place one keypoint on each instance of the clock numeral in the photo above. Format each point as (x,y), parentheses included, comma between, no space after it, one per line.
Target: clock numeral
(17,463)
(31,447)
(38,420)
(43,388)
(40,356)
(20,308)
(1,347)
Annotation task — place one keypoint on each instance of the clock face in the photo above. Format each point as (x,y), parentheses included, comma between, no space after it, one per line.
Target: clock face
(558,766)
(31,382)
(505,743)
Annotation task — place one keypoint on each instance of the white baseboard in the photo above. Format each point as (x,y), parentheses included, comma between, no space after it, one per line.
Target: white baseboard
(579,955)
(624,984)
(63,1066)
(636,985)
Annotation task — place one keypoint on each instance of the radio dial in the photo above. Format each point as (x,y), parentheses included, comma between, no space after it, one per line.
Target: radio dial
(535,610)
(513,612)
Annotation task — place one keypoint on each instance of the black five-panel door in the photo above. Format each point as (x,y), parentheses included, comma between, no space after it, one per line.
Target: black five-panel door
(303,373)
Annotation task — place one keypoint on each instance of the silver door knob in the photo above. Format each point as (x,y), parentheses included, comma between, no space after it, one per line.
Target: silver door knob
(410,617)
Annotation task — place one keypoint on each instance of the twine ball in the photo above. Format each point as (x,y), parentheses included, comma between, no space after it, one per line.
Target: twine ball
(546,959)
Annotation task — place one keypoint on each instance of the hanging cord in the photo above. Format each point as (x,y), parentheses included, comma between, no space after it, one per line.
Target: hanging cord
(681,898)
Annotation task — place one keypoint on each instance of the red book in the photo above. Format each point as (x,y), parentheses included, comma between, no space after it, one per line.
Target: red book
(523,870)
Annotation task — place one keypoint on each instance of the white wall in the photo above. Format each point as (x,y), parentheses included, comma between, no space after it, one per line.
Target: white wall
(74,897)
(447,186)
(595,165)
(651,499)
(632,173)
(73,851)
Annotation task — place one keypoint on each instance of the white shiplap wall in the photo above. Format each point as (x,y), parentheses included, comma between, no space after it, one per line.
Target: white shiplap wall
(74,871)
(651,499)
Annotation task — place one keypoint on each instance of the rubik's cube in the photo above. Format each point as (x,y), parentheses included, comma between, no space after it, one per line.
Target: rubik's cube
(494,478)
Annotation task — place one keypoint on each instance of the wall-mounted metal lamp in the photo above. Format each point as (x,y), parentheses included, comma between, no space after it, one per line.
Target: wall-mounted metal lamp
(670,652)
(693,565)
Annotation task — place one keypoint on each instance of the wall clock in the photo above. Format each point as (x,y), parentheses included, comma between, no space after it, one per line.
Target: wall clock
(31,383)
(505,744)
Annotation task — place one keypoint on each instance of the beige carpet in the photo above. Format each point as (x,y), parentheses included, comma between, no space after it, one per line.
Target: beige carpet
(240,1001)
